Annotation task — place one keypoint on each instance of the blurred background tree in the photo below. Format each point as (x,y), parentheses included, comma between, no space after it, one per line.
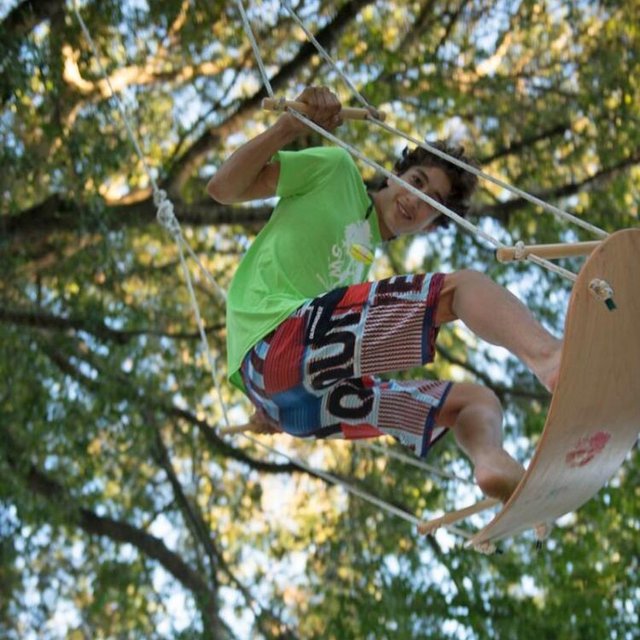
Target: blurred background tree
(123,513)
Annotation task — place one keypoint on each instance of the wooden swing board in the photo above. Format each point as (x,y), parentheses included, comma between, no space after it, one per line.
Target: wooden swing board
(594,417)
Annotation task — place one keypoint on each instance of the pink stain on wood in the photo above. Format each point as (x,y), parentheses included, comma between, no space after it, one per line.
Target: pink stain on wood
(587,449)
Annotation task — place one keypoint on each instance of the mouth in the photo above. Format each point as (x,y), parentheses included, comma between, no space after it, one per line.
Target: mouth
(404,212)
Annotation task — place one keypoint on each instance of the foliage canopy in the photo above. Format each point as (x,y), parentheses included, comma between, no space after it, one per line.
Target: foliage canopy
(123,513)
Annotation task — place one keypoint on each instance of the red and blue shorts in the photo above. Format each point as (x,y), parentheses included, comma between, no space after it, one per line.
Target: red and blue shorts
(316,375)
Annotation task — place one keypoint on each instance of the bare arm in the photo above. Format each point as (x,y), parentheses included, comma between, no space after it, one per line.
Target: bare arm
(248,173)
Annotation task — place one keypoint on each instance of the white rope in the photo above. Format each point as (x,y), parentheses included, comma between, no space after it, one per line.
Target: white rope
(254,45)
(165,212)
(329,477)
(219,290)
(123,112)
(520,251)
(551,266)
(360,493)
(560,213)
(168,220)
(416,462)
(321,50)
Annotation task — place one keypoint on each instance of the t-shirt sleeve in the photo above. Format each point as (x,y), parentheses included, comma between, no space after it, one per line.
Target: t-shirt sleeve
(303,171)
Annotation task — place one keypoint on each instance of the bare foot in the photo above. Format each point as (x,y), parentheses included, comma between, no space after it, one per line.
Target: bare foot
(498,474)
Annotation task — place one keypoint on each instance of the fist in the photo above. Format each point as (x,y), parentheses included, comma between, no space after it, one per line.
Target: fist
(322,107)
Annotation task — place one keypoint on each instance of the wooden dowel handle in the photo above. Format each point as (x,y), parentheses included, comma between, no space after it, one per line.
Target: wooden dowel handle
(429,526)
(249,427)
(237,428)
(549,251)
(348,113)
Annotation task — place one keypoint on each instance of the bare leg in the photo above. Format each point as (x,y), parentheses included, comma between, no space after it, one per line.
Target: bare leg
(475,416)
(497,316)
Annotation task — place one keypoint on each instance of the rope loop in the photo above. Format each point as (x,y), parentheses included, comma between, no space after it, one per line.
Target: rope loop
(602,291)
(520,251)
(166,217)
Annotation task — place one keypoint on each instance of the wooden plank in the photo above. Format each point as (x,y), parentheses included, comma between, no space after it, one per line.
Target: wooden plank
(594,417)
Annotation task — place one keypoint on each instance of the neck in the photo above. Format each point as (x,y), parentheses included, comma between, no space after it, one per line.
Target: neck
(385,232)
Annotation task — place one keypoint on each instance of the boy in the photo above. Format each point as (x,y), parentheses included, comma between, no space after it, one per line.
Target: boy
(307,334)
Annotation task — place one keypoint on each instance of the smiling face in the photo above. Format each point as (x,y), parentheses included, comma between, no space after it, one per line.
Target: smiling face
(401,212)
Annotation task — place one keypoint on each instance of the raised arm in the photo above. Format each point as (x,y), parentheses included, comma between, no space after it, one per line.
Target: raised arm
(249,174)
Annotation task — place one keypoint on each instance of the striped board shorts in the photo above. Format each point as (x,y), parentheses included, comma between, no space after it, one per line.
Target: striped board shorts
(316,375)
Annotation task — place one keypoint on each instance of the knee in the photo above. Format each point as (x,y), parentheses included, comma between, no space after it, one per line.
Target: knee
(468,278)
(485,401)
(454,283)
(471,398)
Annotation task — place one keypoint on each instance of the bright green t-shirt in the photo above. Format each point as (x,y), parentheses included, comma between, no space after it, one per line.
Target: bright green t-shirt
(305,248)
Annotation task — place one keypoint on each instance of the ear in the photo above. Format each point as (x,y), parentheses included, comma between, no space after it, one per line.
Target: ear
(385,184)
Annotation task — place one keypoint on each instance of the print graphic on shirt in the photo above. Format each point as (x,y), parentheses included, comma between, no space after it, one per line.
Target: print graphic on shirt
(342,268)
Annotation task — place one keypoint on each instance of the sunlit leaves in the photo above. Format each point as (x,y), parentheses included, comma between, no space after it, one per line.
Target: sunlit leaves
(106,392)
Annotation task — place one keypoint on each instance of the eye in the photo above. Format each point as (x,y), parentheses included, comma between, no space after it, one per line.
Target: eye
(417,180)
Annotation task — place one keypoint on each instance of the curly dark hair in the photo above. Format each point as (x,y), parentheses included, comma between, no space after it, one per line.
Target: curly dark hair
(463,183)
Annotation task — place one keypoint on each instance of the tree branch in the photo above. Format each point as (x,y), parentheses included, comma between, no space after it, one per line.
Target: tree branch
(132,75)
(503,210)
(518,145)
(499,390)
(201,532)
(52,322)
(190,511)
(56,214)
(120,532)
(187,164)
(153,403)
(27,15)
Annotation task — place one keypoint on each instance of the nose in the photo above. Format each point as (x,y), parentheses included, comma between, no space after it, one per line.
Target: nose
(422,207)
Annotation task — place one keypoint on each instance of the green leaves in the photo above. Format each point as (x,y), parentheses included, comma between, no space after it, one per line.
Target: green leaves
(117,497)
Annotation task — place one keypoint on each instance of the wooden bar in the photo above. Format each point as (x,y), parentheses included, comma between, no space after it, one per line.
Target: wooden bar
(429,526)
(548,251)
(348,113)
